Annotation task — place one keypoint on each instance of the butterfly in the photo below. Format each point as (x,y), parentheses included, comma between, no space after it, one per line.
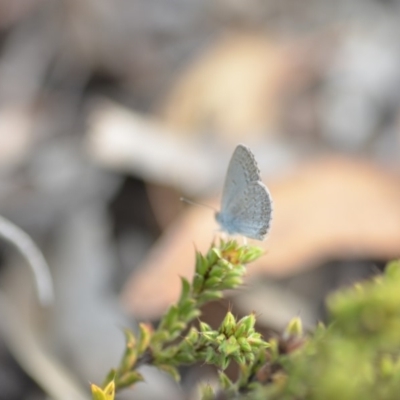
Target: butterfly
(246,205)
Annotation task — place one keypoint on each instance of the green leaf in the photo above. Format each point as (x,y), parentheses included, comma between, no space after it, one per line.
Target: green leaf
(230,245)
(165,354)
(240,359)
(128,379)
(201,264)
(159,336)
(229,346)
(108,393)
(211,356)
(209,296)
(226,383)
(244,345)
(256,341)
(193,315)
(204,327)
(198,282)
(109,378)
(209,336)
(146,331)
(186,289)
(184,358)
(213,255)
(231,283)
(178,326)
(245,325)
(224,264)
(97,393)
(193,336)
(207,392)
(185,307)
(224,362)
(237,272)
(252,253)
(392,270)
(175,333)
(217,271)
(250,357)
(212,282)
(131,352)
(171,370)
(386,366)
(169,318)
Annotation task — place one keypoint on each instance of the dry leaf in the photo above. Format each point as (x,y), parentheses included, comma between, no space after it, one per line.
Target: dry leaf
(232,89)
(246,85)
(332,208)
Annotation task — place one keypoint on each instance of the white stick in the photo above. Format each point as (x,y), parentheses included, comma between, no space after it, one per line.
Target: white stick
(26,246)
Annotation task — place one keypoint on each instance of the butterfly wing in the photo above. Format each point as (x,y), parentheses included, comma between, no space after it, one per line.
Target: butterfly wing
(249,212)
(246,205)
(242,169)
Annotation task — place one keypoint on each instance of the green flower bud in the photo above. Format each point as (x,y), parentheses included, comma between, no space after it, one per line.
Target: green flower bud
(193,336)
(228,324)
(294,328)
(204,327)
(245,325)
(229,346)
(244,345)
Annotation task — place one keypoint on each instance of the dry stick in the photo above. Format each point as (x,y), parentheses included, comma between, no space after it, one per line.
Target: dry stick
(41,272)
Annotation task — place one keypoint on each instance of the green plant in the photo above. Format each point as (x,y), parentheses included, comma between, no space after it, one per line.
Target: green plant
(174,344)
(357,356)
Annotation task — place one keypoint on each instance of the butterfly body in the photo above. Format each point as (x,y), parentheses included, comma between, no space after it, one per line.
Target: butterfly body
(246,204)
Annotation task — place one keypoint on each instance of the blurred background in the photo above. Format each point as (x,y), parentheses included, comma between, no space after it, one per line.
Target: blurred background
(110,111)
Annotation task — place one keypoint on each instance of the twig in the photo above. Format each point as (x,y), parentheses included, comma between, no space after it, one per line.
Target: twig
(41,272)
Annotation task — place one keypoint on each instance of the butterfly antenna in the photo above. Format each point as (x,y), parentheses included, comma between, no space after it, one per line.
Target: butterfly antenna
(185,200)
